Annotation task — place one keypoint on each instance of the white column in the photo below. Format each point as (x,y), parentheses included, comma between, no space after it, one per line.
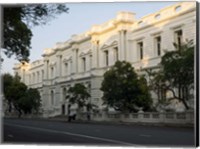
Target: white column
(59,66)
(46,69)
(75,60)
(125,44)
(70,67)
(42,75)
(98,59)
(120,46)
(94,55)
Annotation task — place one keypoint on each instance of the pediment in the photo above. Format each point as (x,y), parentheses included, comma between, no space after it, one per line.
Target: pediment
(114,43)
(104,46)
(52,64)
(82,54)
(66,59)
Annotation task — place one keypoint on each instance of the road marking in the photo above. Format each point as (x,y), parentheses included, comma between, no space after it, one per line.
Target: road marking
(74,134)
(143,135)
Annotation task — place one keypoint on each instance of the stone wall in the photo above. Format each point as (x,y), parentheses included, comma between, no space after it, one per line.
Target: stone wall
(186,118)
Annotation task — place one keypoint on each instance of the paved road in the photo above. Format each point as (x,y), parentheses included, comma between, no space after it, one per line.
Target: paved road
(54,132)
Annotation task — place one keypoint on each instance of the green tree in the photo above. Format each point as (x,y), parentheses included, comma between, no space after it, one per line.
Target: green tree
(17,23)
(7,82)
(78,94)
(123,89)
(16,91)
(144,98)
(178,71)
(157,84)
(30,102)
(17,94)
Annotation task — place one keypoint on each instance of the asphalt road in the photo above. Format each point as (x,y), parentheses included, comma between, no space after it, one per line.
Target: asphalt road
(23,131)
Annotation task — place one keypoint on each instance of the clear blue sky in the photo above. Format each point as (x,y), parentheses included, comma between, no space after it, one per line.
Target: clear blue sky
(80,18)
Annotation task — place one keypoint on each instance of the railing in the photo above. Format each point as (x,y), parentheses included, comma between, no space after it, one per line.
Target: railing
(143,117)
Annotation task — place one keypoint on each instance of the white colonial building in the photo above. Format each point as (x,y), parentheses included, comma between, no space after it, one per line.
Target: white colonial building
(84,58)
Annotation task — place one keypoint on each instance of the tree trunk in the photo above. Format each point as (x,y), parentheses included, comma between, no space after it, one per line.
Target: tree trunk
(20,113)
(9,107)
(185,104)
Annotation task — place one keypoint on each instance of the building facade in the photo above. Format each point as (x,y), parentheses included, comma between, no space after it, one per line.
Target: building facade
(84,58)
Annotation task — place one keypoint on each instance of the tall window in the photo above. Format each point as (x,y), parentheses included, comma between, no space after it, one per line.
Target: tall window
(116,54)
(106,57)
(47,69)
(90,61)
(52,98)
(158,45)
(66,69)
(52,72)
(178,37)
(140,50)
(84,64)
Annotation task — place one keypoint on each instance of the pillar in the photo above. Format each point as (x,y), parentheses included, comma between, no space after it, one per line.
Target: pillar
(122,45)
(75,61)
(95,55)
(59,65)
(46,65)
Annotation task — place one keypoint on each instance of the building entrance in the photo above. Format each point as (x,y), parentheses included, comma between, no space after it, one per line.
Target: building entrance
(63,109)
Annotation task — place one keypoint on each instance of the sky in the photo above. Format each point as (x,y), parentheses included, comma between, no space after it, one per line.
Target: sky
(81,17)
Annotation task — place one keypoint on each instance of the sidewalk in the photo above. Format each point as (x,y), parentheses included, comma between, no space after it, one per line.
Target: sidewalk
(65,120)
